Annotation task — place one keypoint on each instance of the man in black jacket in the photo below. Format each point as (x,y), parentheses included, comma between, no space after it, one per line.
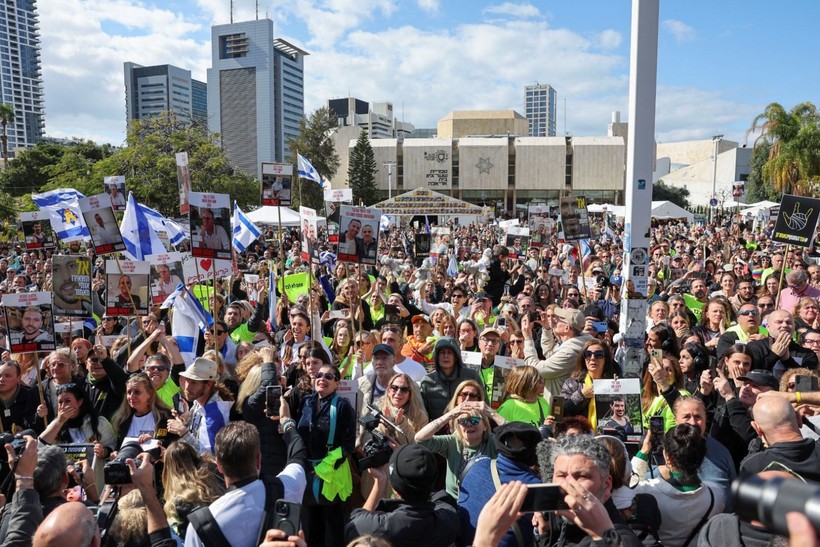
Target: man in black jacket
(415,518)
(779,351)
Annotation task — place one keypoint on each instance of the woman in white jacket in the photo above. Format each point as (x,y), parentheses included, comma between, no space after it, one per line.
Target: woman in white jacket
(685,502)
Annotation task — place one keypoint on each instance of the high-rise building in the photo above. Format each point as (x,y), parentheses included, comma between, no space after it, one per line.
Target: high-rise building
(540,106)
(377,118)
(255,92)
(21,84)
(150,90)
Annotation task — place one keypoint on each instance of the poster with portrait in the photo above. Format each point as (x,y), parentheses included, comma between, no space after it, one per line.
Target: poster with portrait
(37,230)
(210,217)
(166,274)
(115,188)
(422,246)
(359,234)
(540,224)
(618,407)
(183,181)
(574,218)
(277,181)
(332,222)
(29,321)
(71,285)
(309,227)
(102,224)
(518,241)
(128,287)
(502,365)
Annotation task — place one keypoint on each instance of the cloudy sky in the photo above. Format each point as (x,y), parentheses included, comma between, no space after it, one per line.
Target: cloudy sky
(720,63)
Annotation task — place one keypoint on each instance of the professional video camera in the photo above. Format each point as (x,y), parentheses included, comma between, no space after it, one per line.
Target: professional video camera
(116,471)
(18,443)
(768,501)
(377,450)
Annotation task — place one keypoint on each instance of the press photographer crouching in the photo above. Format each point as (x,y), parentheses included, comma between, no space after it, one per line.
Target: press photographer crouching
(418,516)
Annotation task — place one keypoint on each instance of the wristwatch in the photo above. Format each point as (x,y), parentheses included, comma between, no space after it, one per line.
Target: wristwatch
(611,537)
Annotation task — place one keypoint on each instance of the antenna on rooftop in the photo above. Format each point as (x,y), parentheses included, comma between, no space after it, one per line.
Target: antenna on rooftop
(257,10)
(231,11)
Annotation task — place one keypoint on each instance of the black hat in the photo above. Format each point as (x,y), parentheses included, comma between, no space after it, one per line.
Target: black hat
(413,472)
(385,348)
(529,436)
(762,378)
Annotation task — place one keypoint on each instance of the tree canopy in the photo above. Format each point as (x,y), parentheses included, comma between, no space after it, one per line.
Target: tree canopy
(315,144)
(665,192)
(361,174)
(793,141)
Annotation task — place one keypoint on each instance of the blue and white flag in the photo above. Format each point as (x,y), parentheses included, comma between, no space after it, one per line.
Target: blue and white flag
(585,250)
(452,266)
(426,224)
(187,322)
(138,233)
(64,213)
(175,232)
(245,232)
(307,171)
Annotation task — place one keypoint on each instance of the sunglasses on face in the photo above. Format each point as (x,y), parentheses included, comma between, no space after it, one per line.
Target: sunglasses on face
(156,369)
(472,420)
(598,354)
(765,305)
(754,313)
(220,332)
(400,389)
(327,376)
(468,395)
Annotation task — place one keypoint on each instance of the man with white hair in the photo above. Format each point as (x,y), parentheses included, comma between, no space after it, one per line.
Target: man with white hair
(797,287)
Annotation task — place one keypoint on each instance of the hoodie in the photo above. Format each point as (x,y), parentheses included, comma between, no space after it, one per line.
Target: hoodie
(437,388)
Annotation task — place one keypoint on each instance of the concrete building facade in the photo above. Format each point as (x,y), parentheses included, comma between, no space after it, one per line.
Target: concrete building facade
(377,118)
(150,90)
(255,92)
(540,108)
(21,82)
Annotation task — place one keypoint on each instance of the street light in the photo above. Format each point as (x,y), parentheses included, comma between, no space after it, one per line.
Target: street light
(716,139)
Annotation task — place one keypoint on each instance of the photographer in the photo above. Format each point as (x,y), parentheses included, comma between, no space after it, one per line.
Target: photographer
(415,517)
(239,513)
(22,516)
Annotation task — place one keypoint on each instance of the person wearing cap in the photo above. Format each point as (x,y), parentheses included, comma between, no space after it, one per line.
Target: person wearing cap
(489,344)
(777,423)
(561,347)
(208,412)
(439,386)
(417,516)
(515,443)
(417,346)
(393,337)
(372,387)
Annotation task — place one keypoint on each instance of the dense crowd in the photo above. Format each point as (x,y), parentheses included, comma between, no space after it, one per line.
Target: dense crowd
(369,409)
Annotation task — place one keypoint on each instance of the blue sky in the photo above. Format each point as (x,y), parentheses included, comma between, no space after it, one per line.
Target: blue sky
(720,62)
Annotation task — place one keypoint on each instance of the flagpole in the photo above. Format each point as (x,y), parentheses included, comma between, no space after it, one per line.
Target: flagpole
(281,245)
(581,267)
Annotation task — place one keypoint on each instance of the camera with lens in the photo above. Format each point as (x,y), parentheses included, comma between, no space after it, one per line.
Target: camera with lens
(602,281)
(17,442)
(377,450)
(116,471)
(768,501)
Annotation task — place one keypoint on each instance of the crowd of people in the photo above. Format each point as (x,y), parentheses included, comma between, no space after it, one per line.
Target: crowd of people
(369,410)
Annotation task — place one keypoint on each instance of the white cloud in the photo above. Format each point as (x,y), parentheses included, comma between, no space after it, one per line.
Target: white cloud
(430,6)
(512,9)
(609,39)
(679,30)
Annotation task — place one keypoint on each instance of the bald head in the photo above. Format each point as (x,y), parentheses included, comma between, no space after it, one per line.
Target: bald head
(69,524)
(775,418)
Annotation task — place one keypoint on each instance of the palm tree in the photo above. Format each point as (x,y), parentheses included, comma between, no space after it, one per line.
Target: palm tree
(6,116)
(794,156)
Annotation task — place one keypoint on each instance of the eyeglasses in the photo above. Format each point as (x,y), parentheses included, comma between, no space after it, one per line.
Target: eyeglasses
(220,332)
(751,312)
(390,329)
(472,420)
(400,389)
(469,395)
(327,376)
(516,342)
(156,369)
(598,354)
(811,342)
(456,296)
(765,304)
(490,340)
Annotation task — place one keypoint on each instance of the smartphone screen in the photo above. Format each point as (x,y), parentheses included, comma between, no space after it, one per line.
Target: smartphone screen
(501,322)
(543,497)
(272,395)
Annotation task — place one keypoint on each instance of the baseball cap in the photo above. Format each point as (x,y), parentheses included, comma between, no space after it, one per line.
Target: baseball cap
(761,377)
(202,369)
(420,317)
(413,472)
(573,317)
(490,330)
(385,348)
(525,432)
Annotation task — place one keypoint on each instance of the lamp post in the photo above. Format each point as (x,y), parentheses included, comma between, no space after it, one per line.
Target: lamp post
(389,166)
(716,140)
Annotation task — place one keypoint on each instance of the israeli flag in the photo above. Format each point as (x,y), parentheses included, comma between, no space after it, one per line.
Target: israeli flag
(138,233)
(188,321)
(307,171)
(452,266)
(245,232)
(64,213)
(175,232)
(585,250)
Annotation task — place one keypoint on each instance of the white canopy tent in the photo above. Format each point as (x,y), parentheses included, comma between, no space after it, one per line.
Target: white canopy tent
(668,210)
(269,215)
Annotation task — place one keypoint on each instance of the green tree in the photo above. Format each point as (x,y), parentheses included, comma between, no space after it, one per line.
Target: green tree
(666,192)
(148,163)
(361,174)
(793,140)
(757,188)
(25,173)
(6,117)
(314,143)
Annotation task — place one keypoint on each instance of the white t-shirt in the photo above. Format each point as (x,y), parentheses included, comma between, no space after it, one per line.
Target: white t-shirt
(142,424)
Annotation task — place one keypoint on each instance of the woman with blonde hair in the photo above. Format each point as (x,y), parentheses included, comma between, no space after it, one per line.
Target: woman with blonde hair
(403,406)
(523,401)
(448,326)
(341,347)
(142,415)
(467,391)
(190,481)
(657,379)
